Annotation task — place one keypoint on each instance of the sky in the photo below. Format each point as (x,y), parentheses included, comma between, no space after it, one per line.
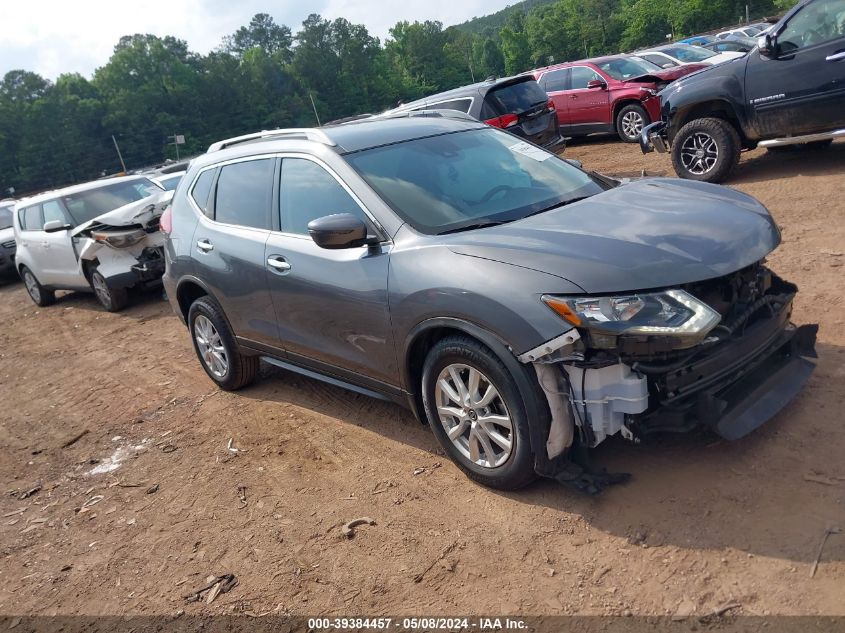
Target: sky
(52,37)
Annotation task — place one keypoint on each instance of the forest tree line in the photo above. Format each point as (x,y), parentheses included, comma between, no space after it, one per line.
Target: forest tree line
(265,76)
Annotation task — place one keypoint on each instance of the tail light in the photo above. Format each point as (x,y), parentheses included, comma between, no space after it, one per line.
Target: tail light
(550,106)
(504,121)
(166,221)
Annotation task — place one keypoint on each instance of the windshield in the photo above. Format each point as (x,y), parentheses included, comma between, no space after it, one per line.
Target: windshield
(5,217)
(87,205)
(688,53)
(459,180)
(627,68)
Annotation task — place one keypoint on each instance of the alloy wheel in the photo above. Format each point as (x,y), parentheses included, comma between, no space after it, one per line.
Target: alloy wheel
(101,289)
(474,415)
(632,124)
(32,286)
(699,153)
(210,345)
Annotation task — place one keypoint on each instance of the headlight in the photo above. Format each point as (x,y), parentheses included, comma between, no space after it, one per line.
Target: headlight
(650,91)
(119,239)
(671,313)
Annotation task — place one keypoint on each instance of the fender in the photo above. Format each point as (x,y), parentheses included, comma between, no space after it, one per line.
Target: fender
(183,315)
(533,399)
(723,84)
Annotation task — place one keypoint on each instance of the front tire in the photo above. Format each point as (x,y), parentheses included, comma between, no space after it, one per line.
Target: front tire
(476,412)
(706,150)
(630,121)
(216,347)
(112,299)
(38,293)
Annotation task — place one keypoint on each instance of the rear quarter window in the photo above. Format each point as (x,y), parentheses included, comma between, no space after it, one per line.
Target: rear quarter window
(516,98)
(202,189)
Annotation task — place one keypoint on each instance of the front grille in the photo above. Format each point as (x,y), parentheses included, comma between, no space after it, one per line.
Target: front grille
(10,244)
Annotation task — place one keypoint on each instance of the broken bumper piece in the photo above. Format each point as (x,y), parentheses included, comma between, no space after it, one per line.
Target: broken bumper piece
(742,395)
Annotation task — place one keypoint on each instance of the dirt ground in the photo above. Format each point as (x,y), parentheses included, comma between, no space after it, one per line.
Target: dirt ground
(702,524)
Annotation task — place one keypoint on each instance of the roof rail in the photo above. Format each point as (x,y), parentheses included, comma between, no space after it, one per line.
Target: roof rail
(311,134)
(445,114)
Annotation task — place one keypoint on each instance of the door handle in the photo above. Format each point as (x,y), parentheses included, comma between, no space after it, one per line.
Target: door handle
(278,264)
(835,57)
(204,246)
(573,96)
(45,244)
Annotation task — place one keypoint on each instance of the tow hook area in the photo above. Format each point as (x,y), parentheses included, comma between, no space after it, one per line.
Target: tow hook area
(652,138)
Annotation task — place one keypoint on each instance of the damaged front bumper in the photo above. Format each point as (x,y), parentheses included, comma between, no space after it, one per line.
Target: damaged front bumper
(653,137)
(732,383)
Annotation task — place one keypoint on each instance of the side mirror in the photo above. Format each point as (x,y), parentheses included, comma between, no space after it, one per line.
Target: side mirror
(341,230)
(767,45)
(596,83)
(54,226)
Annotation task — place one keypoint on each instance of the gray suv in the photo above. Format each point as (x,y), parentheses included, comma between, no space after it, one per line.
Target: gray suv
(524,308)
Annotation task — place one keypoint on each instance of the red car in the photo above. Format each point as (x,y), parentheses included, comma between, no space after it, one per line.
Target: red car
(615,94)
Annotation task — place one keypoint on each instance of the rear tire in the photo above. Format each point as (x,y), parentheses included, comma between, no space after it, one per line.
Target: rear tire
(112,299)
(38,293)
(488,424)
(630,121)
(706,150)
(216,347)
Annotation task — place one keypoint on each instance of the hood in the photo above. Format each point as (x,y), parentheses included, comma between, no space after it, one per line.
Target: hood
(652,233)
(7,234)
(138,212)
(668,75)
(726,56)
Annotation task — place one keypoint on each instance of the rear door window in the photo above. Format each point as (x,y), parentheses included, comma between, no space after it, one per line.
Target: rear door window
(244,191)
(555,81)
(516,98)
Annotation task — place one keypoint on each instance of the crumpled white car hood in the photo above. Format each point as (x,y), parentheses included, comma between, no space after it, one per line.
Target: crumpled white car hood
(7,234)
(138,212)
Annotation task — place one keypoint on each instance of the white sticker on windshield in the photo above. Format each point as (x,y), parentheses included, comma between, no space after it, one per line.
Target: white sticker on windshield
(526,149)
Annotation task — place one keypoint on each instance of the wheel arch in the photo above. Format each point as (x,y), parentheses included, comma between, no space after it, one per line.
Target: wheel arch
(429,332)
(713,109)
(189,290)
(625,101)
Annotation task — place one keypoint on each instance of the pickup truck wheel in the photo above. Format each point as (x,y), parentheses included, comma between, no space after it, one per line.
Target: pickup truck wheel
(475,410)
(630,121)
(216,348)
(112,299)
(39,295)
(706,149)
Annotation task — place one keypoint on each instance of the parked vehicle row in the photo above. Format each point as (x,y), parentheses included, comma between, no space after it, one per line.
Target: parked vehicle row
(789,91)
(615,94)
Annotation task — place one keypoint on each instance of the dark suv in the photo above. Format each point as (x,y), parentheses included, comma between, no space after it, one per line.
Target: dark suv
(515,104)
(521,306)
(787,92)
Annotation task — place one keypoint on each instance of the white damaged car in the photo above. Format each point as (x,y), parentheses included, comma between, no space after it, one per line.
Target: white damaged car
(100,236)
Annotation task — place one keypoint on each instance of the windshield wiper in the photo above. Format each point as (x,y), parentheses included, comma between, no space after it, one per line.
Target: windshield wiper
(557,205)
(469,227)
